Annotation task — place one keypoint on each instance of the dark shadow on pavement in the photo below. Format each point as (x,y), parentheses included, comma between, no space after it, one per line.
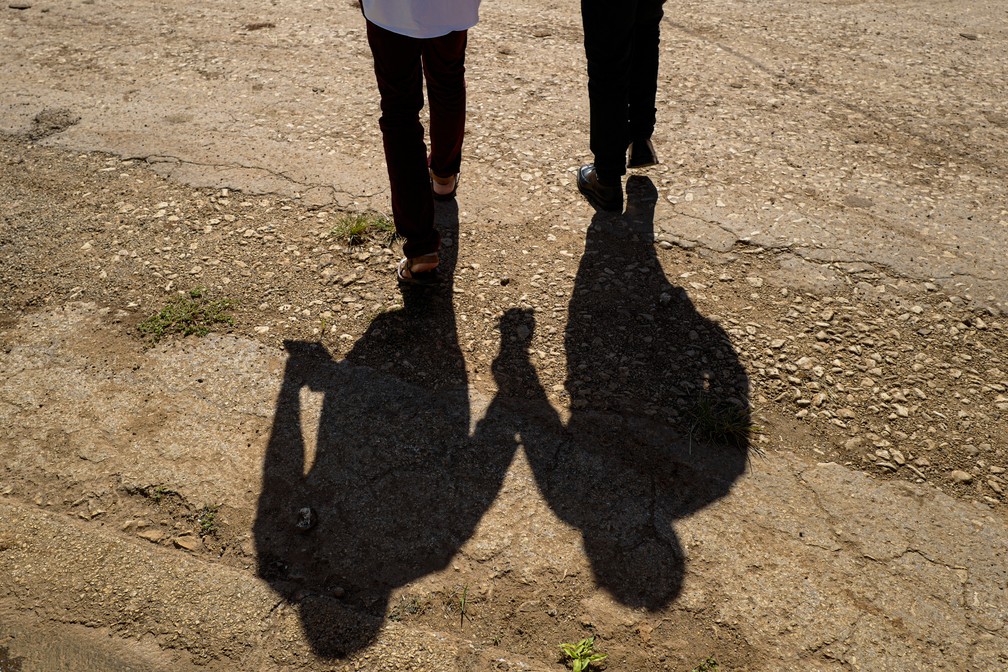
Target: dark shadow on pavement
(396,486)
(659,424)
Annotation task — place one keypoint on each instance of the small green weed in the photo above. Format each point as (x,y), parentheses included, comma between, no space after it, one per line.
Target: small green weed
(709,665)
(360,227)
(206,520)
(187,315)
(582,655)
(720,421)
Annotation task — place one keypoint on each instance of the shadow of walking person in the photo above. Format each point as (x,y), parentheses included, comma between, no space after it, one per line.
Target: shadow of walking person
(394,488)
(659,411)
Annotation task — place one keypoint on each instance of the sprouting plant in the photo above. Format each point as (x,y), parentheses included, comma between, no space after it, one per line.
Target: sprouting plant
(206,519)
(709,665)
(187,315)
(356,228)
(720,421)
(582,655)
(157,492)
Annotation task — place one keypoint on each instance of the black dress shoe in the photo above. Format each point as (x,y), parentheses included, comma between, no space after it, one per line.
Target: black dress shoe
(603,194)
(641,154)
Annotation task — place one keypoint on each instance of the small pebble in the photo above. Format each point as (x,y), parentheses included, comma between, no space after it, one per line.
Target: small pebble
(306,519)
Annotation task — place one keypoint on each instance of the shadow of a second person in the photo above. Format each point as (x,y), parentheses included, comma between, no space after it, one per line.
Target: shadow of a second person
(659,423)
(395,487)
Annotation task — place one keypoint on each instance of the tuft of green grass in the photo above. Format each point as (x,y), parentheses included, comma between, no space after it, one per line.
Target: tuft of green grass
(720,421)
(206,519)
(192,314)
(357,228)
(582,655)
(709,665)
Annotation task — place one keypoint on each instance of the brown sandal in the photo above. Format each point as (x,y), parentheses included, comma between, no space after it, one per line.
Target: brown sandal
(407,276)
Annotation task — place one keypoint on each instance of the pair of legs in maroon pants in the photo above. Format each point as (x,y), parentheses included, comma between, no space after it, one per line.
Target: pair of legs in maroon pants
(401,65)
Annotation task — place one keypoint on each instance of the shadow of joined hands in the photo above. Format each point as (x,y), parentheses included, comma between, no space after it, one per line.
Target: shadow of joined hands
(659,417)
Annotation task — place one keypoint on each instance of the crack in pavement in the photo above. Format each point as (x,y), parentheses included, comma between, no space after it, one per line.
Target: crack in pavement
(803,253)
(167,158)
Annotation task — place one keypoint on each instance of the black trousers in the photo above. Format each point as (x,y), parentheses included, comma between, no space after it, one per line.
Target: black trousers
(401,65)
(621,43)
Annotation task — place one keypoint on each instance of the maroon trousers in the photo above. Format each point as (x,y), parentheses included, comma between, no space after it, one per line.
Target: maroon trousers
(401,65)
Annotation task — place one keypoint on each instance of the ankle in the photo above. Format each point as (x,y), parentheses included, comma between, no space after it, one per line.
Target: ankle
(443,186)
(607,178)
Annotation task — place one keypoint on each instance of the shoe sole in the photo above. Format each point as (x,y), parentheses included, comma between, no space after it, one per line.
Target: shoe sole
(595,203)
